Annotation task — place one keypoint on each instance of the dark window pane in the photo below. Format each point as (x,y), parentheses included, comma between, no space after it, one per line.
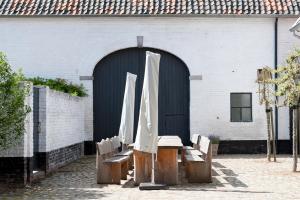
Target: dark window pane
(240,100)
(246,115)
(235,114)
(235,100)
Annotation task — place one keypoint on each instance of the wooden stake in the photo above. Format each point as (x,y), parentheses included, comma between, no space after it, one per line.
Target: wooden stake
(295,138)
(273,137)
(269,129)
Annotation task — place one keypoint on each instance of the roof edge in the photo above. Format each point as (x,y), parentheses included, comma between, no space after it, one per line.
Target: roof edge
(156,16)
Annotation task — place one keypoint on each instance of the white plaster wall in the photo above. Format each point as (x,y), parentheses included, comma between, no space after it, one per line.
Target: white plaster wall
(62,120)
(286,43)
(226,51)
(24,148)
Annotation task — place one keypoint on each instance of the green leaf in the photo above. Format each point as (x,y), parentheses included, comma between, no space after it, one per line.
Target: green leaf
(12,104)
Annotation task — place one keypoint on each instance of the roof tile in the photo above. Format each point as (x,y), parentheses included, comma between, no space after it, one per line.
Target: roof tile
(148,7)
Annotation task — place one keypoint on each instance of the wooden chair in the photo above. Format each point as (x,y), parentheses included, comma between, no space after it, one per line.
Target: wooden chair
(109,168)
(198,167)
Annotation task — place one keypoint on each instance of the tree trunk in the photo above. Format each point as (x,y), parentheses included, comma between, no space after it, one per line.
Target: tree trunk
(298,129)
(273,136)
(269,129)
(295,138)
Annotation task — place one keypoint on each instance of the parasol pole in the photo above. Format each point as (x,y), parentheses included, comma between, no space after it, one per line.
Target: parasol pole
(152,174)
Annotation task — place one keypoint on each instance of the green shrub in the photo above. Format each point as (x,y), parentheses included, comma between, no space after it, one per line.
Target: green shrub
(13,110)
(60,85)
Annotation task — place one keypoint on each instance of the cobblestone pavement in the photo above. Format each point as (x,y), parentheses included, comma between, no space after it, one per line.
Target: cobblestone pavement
(234,177)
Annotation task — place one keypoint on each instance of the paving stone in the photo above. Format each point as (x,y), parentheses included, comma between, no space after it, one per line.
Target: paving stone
(234,177)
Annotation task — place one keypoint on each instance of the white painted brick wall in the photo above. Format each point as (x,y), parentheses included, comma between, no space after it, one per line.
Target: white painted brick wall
(226,51)
(42,118)
(286,43)
(25,147)
(88,118)
(61,118)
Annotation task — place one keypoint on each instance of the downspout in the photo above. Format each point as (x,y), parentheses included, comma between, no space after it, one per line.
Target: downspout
(275,67)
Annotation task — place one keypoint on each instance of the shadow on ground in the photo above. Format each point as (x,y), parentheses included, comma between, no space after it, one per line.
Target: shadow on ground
(78,181)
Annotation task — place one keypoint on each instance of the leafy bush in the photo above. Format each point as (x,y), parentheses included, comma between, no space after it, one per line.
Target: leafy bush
(12,105)
(60,85)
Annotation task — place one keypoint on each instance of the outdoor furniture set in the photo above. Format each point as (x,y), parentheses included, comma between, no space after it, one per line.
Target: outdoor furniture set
(155,157)
(112,165)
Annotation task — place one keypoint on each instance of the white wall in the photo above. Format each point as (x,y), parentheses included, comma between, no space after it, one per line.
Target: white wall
(24,148)
(286,43)
(61,119)
(226,51)
(228,64)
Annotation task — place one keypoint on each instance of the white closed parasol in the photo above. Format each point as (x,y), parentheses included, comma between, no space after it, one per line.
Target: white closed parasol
(127,117)
(147,131)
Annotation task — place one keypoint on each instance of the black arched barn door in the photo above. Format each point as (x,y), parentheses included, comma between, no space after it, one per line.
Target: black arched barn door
(109,84)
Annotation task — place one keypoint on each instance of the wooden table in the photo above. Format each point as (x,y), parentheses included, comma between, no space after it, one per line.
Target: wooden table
(166,166)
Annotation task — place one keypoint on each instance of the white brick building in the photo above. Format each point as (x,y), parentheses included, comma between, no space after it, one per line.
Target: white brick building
(221,53)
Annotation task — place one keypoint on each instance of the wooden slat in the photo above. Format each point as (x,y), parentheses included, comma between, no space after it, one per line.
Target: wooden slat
(204,144)
(193,158)
(167,167)
(179,159)
(169,137)
(142,166)
(124,153)
(194,152)
(124,170)
(195,138)
(169,141)
(116,173)
(115,142)
(188,148)
(103,147)
(117,159)
(165,141)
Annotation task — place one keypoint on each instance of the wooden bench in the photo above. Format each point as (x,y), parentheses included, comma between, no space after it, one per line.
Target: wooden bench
(198,167)
(195,141)
(116,145)
(110,169)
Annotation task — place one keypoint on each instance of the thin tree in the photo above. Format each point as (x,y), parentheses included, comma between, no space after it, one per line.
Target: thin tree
(266,97)
(13,110)
(289,88)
